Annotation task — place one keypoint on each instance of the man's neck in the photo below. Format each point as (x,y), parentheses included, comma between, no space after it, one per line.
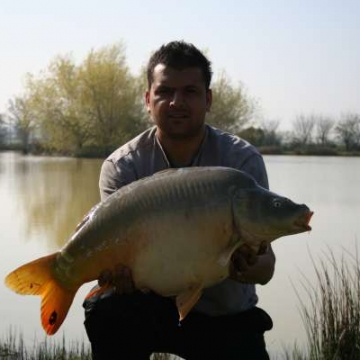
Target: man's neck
(181,151)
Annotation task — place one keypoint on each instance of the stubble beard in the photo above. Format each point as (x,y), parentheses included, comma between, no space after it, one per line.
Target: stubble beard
(185,136)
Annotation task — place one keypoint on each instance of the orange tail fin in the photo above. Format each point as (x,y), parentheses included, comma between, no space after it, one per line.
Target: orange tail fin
(36,278)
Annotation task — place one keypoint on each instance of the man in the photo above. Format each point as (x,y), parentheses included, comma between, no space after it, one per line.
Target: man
(225,323)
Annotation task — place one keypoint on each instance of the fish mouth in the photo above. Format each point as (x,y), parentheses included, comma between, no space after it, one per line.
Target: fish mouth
(302,223)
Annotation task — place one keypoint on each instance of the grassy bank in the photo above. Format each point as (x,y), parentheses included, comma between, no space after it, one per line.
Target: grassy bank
(12,347)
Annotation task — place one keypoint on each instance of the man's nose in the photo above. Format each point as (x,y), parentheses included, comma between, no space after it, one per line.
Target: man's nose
(177,98)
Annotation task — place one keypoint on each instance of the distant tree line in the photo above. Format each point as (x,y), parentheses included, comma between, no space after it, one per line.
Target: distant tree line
(91,108)
(310,134)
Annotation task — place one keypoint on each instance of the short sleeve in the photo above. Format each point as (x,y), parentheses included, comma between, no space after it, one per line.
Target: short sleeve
(255,167)
(113,176)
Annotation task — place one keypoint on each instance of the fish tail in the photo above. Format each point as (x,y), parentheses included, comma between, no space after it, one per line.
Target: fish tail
(36,278)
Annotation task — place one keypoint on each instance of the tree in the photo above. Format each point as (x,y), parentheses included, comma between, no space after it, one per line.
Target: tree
(55,100)
(271,135)
(303,129)
(2,130)
(324,125)
(91,105)
(231,109)
(22,117)
(254,135)
(348,131)
(111,96)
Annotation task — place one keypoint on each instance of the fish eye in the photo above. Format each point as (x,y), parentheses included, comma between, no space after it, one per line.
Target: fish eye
(276,203)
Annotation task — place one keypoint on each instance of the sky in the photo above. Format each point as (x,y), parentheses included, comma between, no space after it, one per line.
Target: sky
(292,56)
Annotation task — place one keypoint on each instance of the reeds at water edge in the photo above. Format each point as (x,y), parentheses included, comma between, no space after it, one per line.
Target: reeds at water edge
(12,347)
(331,316)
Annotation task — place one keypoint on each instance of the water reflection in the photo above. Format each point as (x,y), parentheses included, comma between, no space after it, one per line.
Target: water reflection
(53,194)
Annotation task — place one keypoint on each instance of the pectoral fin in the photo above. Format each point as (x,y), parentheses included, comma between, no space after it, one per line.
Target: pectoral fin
(186,300)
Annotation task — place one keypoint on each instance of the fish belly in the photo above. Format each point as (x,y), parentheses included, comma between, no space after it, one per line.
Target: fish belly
(177,251)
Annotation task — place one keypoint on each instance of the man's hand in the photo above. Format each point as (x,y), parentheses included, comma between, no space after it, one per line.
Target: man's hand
(247,266)
(120,279)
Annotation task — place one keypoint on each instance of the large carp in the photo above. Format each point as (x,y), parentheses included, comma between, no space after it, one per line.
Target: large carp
(176,231)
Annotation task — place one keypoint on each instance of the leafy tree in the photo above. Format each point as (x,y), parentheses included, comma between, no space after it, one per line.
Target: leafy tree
(254,135)
(231,109)
(348,131)
(91,105)
(22,117)
(54,99)
(111,96)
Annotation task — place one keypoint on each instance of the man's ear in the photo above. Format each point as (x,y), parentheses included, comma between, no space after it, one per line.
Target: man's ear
(208,100)
(147,100)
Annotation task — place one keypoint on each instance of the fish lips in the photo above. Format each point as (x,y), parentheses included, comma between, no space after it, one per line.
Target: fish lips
(302,223)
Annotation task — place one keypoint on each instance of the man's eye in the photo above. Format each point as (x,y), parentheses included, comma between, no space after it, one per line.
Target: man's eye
(191,90)
(163,91)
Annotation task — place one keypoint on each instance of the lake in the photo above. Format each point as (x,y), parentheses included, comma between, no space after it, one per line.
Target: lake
(43,199)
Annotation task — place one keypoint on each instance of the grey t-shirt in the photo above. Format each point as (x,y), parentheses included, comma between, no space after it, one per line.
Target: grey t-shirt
(143,156)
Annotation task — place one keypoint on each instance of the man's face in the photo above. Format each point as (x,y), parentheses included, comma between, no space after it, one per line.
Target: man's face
(178,101)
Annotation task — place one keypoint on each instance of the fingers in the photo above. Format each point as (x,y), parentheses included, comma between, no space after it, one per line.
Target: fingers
(120,278)
(249,254)
(123,280)
(239,262)
(105,278)
(263,248)
(245,256)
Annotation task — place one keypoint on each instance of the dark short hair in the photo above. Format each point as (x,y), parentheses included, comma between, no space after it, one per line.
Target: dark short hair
(179,55)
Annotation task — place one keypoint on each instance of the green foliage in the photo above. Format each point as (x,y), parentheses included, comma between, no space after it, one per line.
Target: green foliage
(110,96)
(91,108)
(22,118)
(94,104)
(254,135)
(264,136)
(231,108)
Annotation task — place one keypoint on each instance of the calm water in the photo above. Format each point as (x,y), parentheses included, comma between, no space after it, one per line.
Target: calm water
(42,200)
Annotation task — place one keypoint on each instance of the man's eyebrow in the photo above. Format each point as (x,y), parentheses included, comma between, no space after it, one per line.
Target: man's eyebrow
(164,86)
(172,87)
